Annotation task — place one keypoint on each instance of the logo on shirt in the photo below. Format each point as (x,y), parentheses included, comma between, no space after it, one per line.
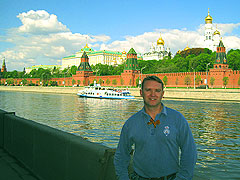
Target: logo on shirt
(166,130)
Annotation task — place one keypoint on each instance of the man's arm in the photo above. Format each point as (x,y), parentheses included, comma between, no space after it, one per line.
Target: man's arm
(122,155)
(188,152)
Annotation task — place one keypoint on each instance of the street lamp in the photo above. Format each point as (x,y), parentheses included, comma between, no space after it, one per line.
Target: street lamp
(194,77)
(207,75)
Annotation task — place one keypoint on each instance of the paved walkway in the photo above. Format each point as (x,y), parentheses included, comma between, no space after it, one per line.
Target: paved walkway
(11,169)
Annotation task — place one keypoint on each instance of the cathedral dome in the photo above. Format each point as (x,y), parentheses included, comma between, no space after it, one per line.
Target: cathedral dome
(186,48)
(216,32)
(208,19)
(124,52)
(179,51)
(160,41)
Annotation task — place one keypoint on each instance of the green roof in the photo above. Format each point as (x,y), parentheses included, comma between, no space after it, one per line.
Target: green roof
(87,49)
(220,44)
(84,55)
(44,66)
(72,56)
(4,64)
(105,51)
(132,51)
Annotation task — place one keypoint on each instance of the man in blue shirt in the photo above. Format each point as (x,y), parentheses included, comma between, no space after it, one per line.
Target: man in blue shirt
(157,133)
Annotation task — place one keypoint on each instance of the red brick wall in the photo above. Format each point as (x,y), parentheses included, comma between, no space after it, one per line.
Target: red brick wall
(130,77)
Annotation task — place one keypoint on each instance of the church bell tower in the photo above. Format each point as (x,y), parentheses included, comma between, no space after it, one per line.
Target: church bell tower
(208,33)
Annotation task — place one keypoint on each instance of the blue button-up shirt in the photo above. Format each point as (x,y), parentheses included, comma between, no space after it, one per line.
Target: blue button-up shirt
(156,150)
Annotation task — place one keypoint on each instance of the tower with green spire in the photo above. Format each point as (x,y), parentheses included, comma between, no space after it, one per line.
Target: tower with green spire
(84,71)
(220,68)
(84,65)
(131,68)
(221,58)
(4,68)
(131,62)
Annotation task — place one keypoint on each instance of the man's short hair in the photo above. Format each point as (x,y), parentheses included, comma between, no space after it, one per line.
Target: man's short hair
(152,78)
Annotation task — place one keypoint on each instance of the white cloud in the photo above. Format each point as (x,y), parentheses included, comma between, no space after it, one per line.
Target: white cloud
(231,42)
(40,22)
(227,28)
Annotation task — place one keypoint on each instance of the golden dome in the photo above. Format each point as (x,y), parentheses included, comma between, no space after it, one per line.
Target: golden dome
(216,32)
(160,41)
(124,52)
(208,19)
(186,48)
(86,46)
(179,51)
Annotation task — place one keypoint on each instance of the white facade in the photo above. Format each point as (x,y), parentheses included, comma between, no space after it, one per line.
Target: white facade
(95,57)
(157,51)
(211,37)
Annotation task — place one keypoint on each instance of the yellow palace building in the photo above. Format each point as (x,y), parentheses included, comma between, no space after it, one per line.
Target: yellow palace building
(95,57)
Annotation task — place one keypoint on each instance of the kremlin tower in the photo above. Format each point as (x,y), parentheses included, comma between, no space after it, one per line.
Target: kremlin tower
(4,68)
(221,58)
(220,67)
(131,68)
(84,70)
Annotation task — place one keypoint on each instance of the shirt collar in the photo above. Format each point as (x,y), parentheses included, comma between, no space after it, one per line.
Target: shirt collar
(164,111)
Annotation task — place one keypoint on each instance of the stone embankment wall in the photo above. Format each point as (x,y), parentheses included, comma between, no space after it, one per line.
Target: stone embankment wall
(170,93)
(53,154)
(199,94)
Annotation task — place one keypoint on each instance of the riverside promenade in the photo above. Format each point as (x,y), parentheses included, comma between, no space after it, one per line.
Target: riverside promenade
(170,93)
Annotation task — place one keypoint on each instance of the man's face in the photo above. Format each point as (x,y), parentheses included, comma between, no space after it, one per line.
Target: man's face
(152,93)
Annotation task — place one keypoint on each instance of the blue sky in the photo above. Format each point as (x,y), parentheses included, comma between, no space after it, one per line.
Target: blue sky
(43,32)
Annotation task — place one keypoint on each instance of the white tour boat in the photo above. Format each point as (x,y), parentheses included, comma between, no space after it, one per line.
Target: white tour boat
(97,91)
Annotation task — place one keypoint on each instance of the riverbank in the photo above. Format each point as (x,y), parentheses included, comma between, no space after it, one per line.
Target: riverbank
(170,93)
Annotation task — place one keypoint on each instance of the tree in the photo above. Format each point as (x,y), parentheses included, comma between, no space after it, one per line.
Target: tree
(165,80)
(239,81)
(225,81)
(122,81)
(100,81)
(24,81)
(10,81)
(176,82)
(137,82)
(212,80)
(73,81)
(79,82)
(114,82)
(187,80)
(108,81)
(73,70)
(130,82)
(94,80)
(197,79)
(233,59)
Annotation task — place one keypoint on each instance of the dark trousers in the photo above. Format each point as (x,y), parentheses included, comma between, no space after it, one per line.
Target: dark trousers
(135,176)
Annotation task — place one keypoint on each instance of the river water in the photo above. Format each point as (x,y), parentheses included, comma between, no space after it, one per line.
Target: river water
(215,125)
